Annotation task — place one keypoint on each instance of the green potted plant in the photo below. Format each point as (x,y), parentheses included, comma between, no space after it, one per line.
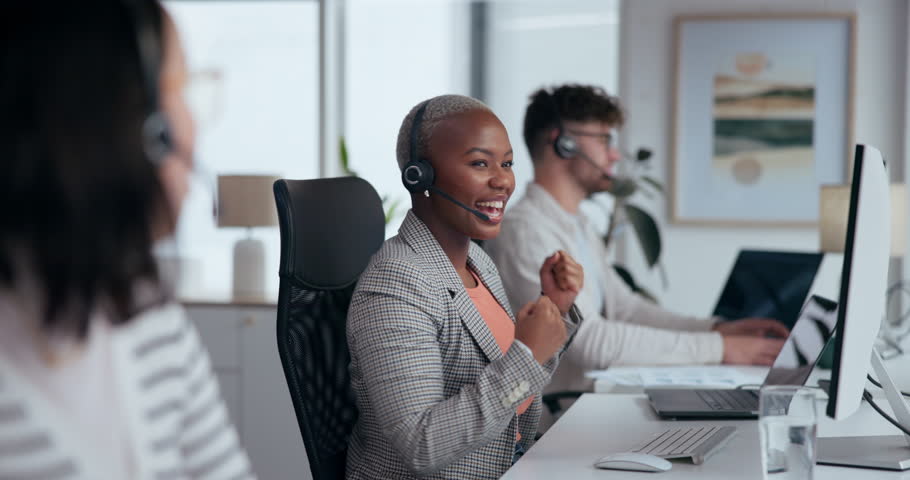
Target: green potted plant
(389,205)
(625,212)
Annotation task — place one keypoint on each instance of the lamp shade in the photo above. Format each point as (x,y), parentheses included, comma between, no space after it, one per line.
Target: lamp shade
(834,208)
(246,201)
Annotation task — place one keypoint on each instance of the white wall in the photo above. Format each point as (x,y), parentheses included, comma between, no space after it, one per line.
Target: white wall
(397,53)
(263,120)
(906,133)
(535,43)
(697,259)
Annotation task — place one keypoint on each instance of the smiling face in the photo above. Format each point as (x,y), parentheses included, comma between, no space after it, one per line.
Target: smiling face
(472,157)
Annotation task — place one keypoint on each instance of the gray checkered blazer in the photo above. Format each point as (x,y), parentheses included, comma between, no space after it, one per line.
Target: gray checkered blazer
(437,396)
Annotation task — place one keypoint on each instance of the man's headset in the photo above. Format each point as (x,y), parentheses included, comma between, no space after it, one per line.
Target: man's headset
(157,140)
(565,145)
(418,175)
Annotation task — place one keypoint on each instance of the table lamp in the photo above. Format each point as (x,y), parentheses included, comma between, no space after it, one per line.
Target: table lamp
(834,202)
(247,201)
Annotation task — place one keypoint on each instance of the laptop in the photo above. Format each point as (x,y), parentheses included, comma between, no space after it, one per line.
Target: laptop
(808,337)
(771,284)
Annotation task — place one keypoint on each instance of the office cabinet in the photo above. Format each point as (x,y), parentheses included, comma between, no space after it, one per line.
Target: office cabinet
(240,338)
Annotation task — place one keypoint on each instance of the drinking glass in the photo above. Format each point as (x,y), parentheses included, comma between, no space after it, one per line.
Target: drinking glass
(787,423)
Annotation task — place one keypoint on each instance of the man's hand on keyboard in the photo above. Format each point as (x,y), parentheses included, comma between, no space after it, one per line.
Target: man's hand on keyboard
(755,327)
(745,350)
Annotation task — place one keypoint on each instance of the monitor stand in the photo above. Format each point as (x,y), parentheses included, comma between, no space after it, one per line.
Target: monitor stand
(889,452)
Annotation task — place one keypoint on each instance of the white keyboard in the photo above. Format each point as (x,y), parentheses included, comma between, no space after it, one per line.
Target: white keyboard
(699,443)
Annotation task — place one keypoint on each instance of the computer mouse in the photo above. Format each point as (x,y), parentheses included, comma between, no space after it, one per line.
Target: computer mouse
(639,462)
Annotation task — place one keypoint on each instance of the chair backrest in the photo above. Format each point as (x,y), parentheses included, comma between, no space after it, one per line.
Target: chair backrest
(329,230)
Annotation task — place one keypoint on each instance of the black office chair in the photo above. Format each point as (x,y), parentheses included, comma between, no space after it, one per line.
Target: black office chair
(329,230)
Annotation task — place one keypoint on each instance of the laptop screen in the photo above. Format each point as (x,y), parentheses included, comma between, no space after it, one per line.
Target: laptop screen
(805,344)
(768,284)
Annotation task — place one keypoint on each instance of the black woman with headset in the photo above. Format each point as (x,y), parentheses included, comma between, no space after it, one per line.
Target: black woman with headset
(447,379)
(101,373)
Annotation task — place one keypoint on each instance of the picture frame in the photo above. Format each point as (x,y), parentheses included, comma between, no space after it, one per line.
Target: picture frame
(762,116)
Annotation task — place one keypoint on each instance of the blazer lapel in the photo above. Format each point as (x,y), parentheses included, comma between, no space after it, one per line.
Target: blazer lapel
(490,277)
(475,324)
(415,233)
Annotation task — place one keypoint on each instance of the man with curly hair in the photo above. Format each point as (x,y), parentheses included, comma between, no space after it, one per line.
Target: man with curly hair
(570,133)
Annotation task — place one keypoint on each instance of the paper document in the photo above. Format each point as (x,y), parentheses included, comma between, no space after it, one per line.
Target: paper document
(709,376)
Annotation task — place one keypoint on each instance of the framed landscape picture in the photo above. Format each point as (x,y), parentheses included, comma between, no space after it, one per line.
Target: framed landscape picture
(762,117)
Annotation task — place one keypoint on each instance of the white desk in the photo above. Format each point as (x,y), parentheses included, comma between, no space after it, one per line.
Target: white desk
(606,385)
(598,424)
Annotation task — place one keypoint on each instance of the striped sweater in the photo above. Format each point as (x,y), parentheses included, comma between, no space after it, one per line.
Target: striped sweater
(169,405)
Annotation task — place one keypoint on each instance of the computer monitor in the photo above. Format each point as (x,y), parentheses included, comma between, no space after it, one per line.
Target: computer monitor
(861,307)
(808,338)
(768,283)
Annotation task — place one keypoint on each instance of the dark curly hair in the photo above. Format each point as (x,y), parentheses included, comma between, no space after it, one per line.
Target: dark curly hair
(78,196)
(572,102)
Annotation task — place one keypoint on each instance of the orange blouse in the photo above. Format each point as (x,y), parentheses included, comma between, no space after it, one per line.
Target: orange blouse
(497,320)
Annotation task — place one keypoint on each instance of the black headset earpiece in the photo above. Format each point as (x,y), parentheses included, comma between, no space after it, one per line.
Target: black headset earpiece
(156,130)
(156,137)
(417,175)
(565,145)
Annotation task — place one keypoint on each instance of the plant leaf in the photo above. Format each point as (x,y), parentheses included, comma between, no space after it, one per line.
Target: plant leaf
(622,188)
(647,232)
(654,183)
(647,295)
(643,154)
(343,158)
(626,277)
(392,209)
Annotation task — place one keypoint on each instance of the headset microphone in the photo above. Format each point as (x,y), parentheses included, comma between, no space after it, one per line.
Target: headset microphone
(448,197)
(619,186)
(603,171)
(418,175)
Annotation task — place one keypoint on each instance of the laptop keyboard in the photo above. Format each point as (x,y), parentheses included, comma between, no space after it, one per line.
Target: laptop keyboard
(696,442)
(740,400)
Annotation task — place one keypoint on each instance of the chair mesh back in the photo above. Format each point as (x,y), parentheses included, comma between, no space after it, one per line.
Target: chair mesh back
(313,335)
(329,230)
